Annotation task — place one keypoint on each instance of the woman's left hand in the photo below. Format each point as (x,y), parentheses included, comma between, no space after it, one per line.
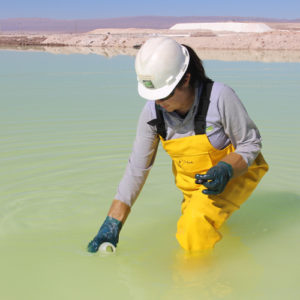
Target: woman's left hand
(216,178)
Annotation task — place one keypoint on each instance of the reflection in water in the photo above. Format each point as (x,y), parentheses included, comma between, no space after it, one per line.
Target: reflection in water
(210,54)
(215,274)
(168,272)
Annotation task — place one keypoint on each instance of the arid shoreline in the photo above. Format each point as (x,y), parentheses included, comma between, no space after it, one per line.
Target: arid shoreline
(280,44)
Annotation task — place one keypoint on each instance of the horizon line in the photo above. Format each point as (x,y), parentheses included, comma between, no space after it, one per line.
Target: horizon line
(149,16)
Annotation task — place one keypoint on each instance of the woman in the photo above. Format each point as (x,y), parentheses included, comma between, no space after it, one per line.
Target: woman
(214,145)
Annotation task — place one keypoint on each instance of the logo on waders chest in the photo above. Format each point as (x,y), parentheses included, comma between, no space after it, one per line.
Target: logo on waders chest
(183,162)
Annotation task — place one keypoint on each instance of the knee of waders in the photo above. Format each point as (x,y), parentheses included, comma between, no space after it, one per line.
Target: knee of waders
(195,232)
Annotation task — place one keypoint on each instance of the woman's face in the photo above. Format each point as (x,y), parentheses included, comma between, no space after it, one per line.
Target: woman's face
(172,102)
(180,100)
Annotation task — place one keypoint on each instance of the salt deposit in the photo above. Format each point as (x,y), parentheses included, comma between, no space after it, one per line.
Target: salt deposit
(228,26)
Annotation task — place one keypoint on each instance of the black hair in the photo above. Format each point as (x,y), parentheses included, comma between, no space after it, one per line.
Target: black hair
(195,68)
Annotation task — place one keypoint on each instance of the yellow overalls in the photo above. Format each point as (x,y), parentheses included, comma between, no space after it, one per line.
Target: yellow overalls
(203,215)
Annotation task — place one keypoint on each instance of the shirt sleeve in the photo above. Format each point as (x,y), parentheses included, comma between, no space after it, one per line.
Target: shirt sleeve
(141,159)
(238,126)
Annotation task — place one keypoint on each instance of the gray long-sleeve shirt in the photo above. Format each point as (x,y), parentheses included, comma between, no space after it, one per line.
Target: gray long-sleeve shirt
(227,121)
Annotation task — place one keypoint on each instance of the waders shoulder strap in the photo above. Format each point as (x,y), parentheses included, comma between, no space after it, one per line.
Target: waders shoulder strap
(159,122)
(200,118)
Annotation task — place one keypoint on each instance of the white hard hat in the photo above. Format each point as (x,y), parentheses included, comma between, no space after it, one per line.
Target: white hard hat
(160,64)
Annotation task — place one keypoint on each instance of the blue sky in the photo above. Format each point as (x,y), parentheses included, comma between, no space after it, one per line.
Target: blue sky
(86,9)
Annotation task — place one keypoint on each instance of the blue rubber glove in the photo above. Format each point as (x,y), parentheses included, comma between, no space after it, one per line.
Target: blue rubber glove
(108,232)
(216,178)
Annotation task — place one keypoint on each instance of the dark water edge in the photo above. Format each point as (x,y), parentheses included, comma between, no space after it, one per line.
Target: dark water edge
(267,56)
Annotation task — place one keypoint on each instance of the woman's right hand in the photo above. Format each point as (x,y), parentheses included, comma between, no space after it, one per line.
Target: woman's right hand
(108,232)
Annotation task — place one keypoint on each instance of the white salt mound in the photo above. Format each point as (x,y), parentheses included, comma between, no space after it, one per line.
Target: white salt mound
(226,26)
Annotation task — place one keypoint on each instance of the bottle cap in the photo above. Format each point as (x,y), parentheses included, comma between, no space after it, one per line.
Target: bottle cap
(107,248)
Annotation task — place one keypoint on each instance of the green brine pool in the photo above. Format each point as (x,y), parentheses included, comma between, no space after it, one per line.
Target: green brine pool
(67,124)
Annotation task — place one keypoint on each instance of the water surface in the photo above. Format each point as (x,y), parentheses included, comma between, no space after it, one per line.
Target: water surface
(67,123)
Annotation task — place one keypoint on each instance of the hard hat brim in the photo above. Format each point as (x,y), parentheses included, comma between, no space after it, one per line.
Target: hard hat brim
(155,94)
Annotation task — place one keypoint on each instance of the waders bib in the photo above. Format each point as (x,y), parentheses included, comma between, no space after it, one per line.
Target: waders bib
(202,215)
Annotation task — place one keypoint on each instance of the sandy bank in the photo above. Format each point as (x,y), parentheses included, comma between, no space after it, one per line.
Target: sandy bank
(281,43)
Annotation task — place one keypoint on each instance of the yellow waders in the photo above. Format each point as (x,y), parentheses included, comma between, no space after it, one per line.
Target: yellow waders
(203,215)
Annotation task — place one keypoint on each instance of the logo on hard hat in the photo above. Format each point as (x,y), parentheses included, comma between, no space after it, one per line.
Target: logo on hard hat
(148,84)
